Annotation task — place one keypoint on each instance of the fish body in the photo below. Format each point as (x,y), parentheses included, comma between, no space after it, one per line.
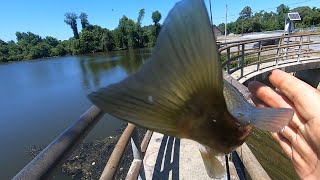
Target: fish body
(210,123)
(180,90)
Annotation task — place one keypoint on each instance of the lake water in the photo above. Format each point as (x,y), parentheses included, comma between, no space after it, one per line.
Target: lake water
(40,98)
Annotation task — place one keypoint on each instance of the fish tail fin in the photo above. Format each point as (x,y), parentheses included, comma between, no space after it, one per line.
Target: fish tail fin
(271,119)
(184,64)
(214,167)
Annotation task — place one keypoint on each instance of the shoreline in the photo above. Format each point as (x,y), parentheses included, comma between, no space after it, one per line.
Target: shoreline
(88,160)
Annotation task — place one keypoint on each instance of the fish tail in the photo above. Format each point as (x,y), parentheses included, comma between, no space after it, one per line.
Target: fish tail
(184,63)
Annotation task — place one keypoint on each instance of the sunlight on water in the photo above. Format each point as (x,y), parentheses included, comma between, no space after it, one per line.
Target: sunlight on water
(40,98)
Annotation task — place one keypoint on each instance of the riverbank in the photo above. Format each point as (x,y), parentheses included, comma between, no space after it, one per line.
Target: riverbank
(90,158)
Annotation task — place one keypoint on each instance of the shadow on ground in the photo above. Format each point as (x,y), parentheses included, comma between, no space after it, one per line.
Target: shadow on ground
(167,163)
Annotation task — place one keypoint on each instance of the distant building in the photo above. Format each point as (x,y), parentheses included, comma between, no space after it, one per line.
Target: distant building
(216,31)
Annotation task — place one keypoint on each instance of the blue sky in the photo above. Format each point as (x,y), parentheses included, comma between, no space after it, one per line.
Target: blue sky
(45,17)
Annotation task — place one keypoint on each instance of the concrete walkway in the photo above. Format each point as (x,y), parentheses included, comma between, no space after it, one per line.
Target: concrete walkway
(172,158)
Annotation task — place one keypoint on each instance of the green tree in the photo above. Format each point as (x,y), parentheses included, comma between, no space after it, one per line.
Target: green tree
(59,50)
(15,52)
(107,42)
(156,17)
(282,9)
(84,20)
(71,20)
(4,52)
(246,13)
(126,35)
(86,41)
(51,41)
(140,16)
(39,51)
(139,30)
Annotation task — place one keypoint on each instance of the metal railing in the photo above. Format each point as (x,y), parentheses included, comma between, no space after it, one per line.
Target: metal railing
(44,164)
(274,50)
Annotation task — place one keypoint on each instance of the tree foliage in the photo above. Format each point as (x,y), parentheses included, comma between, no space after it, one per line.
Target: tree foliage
(130,34)
(84,20)
(156,17)
(71,20)
(140,16)
(92,38)
(268,21)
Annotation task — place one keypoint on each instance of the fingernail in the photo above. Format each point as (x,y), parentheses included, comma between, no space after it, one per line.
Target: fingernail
(283,129)
(269,74)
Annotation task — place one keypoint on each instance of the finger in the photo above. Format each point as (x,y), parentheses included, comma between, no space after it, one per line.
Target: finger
(258,102)
(284,143)
(275,99)
(298,143)
(300,93)
(268,95)
(291,152)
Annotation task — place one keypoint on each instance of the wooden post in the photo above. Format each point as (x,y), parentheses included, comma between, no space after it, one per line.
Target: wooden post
(145,141)
(137,155)
(242,59)
(238,53)
(259,56)
(228,60)
(113,163)
(278,51)
(133,173)
(308,45)
(300,46)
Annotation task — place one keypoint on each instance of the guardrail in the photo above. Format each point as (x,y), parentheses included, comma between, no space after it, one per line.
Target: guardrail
(45,163)
(236,53)
(239,54)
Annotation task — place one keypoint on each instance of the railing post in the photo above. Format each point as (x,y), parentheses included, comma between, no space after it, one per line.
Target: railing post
(228,60)
(259,57)
(300,46)
(242,59)
(308,39)
(287,48)
(238,52)
(136,151)
(278,51)
(117,153)
(45,163)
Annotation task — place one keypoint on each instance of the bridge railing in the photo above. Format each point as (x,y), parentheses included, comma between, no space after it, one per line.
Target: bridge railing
(238,54)
(48,160)
(278,50)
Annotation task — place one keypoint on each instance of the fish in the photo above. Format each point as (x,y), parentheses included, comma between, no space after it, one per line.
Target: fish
(180,91)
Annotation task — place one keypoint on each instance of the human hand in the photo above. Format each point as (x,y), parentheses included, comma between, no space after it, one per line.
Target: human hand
(300,140)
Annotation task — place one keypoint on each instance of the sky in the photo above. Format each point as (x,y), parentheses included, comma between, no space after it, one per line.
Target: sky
(46,17)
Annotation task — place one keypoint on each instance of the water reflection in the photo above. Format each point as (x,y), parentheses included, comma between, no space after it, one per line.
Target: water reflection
(96,69)
(40,98)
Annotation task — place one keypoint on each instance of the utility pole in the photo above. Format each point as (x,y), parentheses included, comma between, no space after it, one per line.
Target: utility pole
(211,15)
(225,25)
(242,23)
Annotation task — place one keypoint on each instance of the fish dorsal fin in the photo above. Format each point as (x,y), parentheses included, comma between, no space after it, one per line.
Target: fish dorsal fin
(185,61)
